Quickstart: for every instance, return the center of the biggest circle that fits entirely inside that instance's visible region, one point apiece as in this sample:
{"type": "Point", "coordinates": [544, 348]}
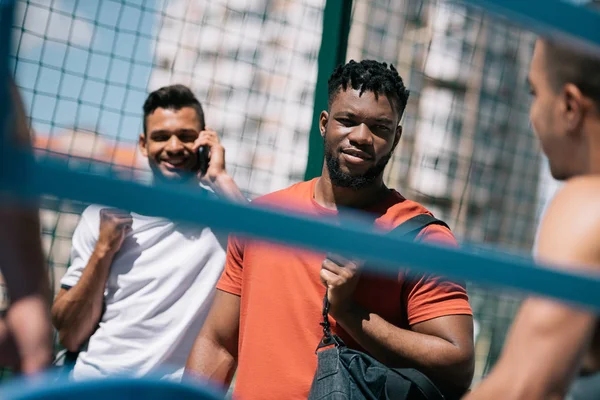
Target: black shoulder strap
{"type": "Point", "coordinates": [415, 225]}
{"type": "Point", "coordinates": [422, 382]}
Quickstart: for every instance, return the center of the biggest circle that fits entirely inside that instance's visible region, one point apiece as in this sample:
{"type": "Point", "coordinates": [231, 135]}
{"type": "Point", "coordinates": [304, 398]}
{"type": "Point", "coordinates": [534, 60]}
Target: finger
{"type": "Point", "coordinates": [329, 279]}
{"type": "Point", "coordinates": [347, 271]}
{"type": "Point", "coordinates": [208, 141]}
{"type": "Point", "coordinates": [113, 211]}
{"type": "Point", "coordinates": [339, 260]}
{"type": "Point", "coordinates": [217, 156]}
{"type": "Point", "coordinates": [124, 224]}
{"type": "Point", "coordinates": [210, 131]}
{"type": "Point", "coordinates": [210, 134]}
{"type": "Point", "coordinates": [334, 268]}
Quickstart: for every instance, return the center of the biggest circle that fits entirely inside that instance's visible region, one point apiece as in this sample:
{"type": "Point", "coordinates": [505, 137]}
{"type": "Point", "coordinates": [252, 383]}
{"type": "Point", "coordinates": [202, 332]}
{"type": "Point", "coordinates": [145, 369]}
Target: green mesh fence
{"type": "Point", "coordinates": [467, 152]}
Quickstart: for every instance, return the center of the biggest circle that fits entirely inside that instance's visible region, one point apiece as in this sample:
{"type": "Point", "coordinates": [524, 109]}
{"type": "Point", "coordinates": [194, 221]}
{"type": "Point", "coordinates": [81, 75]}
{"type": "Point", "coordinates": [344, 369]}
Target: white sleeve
{"type": "Point", "coordinates": [83, 243]}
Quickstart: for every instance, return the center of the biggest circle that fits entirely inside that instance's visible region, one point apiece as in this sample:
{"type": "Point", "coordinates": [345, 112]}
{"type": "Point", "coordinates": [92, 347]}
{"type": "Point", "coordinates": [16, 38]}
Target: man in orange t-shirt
{"type": "Point", "coordinates": [266, 314]}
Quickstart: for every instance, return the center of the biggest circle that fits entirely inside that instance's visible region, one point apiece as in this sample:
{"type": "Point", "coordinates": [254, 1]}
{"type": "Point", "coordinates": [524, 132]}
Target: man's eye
{"type": "Point", "coordinates": [189, 138]}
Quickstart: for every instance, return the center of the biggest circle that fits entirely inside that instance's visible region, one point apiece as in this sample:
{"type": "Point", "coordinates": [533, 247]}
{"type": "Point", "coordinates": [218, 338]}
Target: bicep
{"type": "Point", "coordinates": [455, 329]}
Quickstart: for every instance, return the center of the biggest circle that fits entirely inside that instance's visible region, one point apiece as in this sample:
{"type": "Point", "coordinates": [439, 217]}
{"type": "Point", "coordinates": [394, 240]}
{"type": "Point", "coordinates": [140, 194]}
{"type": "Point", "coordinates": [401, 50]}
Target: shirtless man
{"type": "Point", "coordinates": [25, 333]}
{"type": "Point", "coordinates": [551, 342]}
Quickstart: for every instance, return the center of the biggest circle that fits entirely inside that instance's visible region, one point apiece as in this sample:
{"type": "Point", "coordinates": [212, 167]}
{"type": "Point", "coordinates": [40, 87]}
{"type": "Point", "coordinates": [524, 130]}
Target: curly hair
{"type": "Point", "coordinates": [372, 76]}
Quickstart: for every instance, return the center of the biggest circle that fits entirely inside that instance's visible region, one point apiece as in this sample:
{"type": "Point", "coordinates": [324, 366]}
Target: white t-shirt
{"type": "Point", "coordinates": [158, 293]}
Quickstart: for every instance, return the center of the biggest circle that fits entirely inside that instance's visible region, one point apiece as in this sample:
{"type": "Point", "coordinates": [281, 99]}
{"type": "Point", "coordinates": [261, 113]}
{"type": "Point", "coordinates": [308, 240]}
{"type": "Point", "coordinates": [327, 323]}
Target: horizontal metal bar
{"type": "Point", "coordinates": [557, 19]}
{"type": "Point", "coordinates": [354, 238]}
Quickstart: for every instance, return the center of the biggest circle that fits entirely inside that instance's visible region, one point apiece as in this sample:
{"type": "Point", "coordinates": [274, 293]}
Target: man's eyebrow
{"type": "Point", "coordinates": [348, 114]}
{"type": "Point", "coordinates": [384, 120]}
{"type": "Point", "coordinates": [158, 131]}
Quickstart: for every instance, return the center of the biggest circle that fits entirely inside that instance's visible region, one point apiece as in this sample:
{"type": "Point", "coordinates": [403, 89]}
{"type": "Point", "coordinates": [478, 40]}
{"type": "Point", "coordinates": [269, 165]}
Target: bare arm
{"type": "Point", "coordinates": [214, 354]}
{"type": "Point", "coordinates": [441, 348]}
{"type": "Point", "coordinates": [225, 187]}
{"type": "Point", "coordinates": [77, 311]}
{"type": "Point", "coordinates": [216, 175]}
{"type": "Point", "coordinates": [548, 339]}
{"type": "Point", "coordinates": [27, 328]}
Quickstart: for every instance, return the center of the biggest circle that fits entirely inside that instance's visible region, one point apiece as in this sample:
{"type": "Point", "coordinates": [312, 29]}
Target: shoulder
{"type": "Point", "coordinates": [297, 191]}
{"type": "Point", "coordinates": [90, 218]}
{"type": "Point", "coordinates": [570, 229]}
{"type": "Point", "coordinates": [403, 210]}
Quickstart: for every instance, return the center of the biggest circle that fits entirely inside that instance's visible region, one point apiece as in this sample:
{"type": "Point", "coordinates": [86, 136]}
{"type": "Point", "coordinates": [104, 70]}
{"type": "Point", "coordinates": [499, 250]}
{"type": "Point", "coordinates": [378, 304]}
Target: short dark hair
{"type": "Point", "coordinates": [568, 64]}
{"type": "Point", "coordinates": [565, 64]}
{"type": "Point", "coordinates": [172, 97]}
{"type": "Point", "coordinates": [370, 75]}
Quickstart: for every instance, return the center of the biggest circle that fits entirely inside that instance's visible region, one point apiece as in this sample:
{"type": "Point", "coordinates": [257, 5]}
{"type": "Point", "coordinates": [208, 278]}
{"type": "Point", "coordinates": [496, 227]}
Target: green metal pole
{"type": "Point", "coordinates": [334, 42]}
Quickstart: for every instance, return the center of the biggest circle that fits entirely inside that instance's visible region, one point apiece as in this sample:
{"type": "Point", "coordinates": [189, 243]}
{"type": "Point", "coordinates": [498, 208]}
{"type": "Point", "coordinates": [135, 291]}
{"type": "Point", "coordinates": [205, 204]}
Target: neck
{"type": "Point", "coordinates": [593, 164]}
{"type": "Point", "coordinates": [330, 196]}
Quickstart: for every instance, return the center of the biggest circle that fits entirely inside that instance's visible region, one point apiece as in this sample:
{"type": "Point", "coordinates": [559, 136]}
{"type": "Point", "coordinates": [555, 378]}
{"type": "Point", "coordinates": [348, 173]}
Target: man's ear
{"type": "Point", "coordinates": [323, 119]}
{"type": "Point", "coordinates": [142, 144]}
{"type": "Point", "coordinates": [573, 107]}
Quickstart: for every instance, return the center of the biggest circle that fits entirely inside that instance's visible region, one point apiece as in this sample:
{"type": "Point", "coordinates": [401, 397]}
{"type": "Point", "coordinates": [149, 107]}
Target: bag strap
{"type": "Point", "coordinates": [408, 229]}
{"type": "Point", "coordinates": [425, 386]}
{"type": "Point", "coordinates": [412, 227]}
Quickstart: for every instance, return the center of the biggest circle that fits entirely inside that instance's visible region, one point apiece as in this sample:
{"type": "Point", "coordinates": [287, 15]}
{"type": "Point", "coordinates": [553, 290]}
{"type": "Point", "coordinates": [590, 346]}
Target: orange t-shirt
{"type": "Point", "coordinates": [282, 297]}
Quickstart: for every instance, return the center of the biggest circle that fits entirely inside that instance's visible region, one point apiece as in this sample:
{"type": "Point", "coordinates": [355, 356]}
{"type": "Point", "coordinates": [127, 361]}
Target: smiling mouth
{"type": "Point", "coordinates": [174, 164]}
{"type": "Point", "coordinates": [356, 156]}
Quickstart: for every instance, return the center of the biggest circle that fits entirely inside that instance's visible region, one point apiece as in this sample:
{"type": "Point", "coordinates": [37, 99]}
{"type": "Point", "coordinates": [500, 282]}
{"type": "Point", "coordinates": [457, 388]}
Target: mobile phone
{"type": "Point", "coordinates": [202, 159]}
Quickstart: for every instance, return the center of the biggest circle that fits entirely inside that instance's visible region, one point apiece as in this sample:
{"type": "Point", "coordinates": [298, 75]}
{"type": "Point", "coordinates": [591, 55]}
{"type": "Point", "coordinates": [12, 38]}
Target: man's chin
{"type": "Point", "coordinates": [174, 176]}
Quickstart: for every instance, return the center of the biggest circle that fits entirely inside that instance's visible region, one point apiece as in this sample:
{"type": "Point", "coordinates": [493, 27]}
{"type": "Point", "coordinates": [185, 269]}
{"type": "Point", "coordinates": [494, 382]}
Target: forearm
{"type": "Point", "coordinates": [438, 358]}
{"type": "Point", "coordinates": [211, 361]}
{"type": "Point", "coordinates": [225, 187]}
{"type": "Point", "coordinates": [77, 312]}
{"type": "Point", "coordinates": [21, 258]}
{"type": "Point", "coordinates": [542, 353]}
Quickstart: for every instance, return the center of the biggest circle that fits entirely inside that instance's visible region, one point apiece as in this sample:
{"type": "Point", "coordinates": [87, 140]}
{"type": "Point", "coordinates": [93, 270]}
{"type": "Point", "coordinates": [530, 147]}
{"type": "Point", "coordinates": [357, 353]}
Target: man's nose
{"type": "Point", "coordinates": [362, 135]}
{"type": "Point", "coordinates": [174, 145]}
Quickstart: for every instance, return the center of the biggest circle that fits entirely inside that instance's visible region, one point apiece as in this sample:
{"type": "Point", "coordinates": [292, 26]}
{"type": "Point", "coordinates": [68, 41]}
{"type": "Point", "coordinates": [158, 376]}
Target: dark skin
{"type": "Point", "coordinates": [360, 131]}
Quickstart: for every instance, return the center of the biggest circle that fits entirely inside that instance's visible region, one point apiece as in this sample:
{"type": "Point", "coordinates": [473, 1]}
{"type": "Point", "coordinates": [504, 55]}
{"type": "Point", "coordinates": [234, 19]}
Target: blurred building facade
{"type": "Point", "coordinates": [467, 152]}
{"type": "Point", "coordinates": [253, 65]}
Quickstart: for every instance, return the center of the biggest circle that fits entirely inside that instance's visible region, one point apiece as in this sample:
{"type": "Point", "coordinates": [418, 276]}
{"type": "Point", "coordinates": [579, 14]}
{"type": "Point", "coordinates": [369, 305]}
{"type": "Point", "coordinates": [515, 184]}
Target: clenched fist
{"type": "Point", "coordinates": [114, 225]}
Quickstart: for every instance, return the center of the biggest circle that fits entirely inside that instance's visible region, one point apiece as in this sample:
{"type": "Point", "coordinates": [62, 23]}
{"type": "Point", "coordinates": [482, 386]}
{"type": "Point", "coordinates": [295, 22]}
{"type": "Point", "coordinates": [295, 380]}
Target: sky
{"type": "Point", "coordinates": [64, 68]}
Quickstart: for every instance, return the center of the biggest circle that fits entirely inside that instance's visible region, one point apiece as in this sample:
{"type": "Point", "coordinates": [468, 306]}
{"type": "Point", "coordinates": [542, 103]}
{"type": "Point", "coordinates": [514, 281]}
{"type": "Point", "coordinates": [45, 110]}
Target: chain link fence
{"type": "Point", "coordinates": [467, 151]}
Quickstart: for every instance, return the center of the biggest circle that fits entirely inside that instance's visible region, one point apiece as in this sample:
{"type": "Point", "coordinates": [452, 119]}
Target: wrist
{"type": "Point", "coordinates": [220, 181]}
{"type": "Point", "coordinates": [104, 251]}
{"type": "Point", "coordinates": [343, 312]}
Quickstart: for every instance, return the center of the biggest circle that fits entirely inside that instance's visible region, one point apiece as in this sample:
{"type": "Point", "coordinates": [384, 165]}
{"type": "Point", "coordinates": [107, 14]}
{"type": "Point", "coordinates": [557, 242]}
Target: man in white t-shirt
{"type": "Point", "coordinates": [138, 288]}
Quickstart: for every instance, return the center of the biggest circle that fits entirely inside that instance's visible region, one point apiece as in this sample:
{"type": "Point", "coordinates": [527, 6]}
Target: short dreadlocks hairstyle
{"type": "Point", "coordinates": [372, 76]}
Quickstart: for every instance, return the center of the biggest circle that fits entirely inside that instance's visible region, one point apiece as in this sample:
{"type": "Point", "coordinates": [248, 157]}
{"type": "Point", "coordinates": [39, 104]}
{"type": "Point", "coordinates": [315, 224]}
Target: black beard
{"type": "Point", "coordinates": [342, 179]}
